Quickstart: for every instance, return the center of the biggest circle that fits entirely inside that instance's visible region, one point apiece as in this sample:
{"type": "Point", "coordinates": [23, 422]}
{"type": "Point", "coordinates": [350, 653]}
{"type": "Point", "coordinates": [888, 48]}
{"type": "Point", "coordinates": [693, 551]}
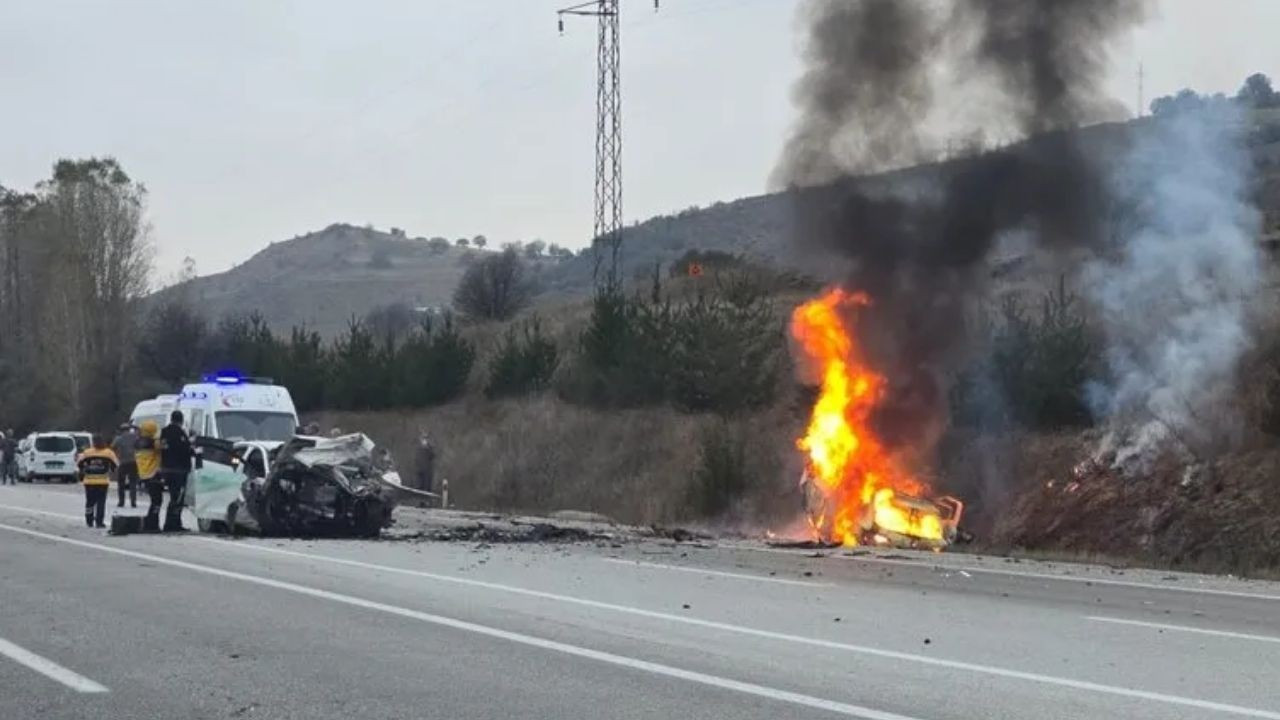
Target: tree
{"type": "Point", "coordinates": [480, 241]}
{"type": "Point", "coordinates": [438, 245]}
{"type": "Point", "coordinates": [392, 321]}
{"type": "Point", "coordinates": [494, 287]}
{"type": "Point", "coordinates": [524, 363]}
{"type": "Point", "coordinates": [462, 242]}
{"type": "Point", "coordinates": [559, 253]}
{"type": "Point", "coordinates": [1257, 92]}
{"type": "Point", "coordinates": [433, 364]}
{"type": "Point", "coordinates": [187, 272]}
{"type": "Point", "coordinates": [245, 343]}
{"type": "Point", "coordinates": [304, 368]}
{"type": "Point", "coordinates": [534, 249]}
{"type": "Point", "coordinates": [172, 343]}
{"type": "Point", "coordinates": [90, 217]}
{"type": "Point", "coordinates": [357, 373]}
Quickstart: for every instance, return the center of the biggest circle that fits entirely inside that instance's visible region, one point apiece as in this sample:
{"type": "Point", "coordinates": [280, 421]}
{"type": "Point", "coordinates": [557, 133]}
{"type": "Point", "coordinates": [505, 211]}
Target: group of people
{"type": "Point", "coordinates": [157, 459]}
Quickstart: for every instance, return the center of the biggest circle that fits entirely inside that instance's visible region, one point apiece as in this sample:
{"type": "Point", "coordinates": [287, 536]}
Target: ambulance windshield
{"type": "Point", "coordinates": [255, 425]}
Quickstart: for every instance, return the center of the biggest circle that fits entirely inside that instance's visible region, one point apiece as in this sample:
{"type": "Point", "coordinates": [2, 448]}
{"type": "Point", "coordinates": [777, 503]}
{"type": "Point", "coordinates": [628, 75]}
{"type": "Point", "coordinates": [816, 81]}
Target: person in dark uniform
{"type": "Point", "coordinates": [176, 454]}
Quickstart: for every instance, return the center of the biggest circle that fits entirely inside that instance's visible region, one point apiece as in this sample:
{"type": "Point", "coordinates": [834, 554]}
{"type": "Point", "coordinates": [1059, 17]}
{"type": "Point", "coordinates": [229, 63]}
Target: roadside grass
{"type": "Point", "coordinates": [539, 454]}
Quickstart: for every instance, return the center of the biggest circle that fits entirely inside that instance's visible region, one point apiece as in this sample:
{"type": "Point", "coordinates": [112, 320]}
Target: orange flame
{"type": "Point", "coordinates": [856, 477]}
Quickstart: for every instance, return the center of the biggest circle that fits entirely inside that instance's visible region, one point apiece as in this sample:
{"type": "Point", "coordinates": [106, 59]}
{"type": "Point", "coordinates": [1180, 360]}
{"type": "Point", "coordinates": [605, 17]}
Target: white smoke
{"type": "Point", "coordinates": [1173, 292]}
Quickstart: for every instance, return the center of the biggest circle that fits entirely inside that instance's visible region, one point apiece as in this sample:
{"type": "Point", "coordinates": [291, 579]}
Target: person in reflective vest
{"type": "Point", "coordinates": [96, 466]}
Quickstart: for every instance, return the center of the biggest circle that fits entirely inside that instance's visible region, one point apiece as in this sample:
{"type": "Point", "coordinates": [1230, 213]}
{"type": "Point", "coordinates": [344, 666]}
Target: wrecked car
{"type": "Point", "coordinates": [885, 517]}
{"type": "Point", "coordinates": [307, 486]}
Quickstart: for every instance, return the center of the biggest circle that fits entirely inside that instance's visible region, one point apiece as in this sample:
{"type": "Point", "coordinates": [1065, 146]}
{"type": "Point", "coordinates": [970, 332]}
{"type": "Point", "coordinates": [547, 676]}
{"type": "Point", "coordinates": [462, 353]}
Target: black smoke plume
{"type": "Point", "coordinates": [919, 242]}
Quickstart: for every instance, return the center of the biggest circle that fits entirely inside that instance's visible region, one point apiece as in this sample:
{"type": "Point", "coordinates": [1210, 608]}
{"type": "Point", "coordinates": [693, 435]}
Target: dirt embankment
{"type": "Point", "coordinates": [1221, 516]}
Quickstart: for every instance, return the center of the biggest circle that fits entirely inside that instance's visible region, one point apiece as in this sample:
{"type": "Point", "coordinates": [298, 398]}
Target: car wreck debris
{"type": "Point", "coordinates": [336, 487]}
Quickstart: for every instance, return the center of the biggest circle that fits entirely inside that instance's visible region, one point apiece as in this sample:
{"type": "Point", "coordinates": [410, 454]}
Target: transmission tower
{"type": "Point", "coordinates": [608, 191]}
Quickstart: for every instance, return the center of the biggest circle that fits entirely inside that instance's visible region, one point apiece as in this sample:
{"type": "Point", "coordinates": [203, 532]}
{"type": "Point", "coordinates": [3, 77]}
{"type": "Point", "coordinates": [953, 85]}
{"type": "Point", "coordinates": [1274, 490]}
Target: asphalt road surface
{"type": "Point", "coordinates": [195, 626]}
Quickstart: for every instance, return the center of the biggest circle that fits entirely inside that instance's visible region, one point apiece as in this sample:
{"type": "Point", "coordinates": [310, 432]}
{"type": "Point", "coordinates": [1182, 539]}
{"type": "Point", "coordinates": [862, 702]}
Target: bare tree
{"type": "Point", "coordinates": [90, 218]}
{"type": "Point", "coordinates": [494, 287]}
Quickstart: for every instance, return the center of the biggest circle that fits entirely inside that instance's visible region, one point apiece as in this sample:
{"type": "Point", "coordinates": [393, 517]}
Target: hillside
{"type": "Point", "coordinates": [323, 278]}
{"type": "Point", "coordinates": [761, 226]}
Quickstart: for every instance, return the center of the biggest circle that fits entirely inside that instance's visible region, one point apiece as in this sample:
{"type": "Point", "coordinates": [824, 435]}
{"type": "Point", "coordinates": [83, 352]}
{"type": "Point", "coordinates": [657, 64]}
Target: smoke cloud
{"type": "Point", "coordinates": [919, 243]}
{"type": "Point", "coordinates": [1174, 296]}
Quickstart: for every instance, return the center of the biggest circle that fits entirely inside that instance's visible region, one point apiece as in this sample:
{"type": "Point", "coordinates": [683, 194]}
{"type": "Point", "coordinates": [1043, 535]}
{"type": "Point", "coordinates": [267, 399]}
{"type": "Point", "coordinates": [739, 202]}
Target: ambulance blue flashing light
{"type": "Point", "coordinates": [233, 377]}
{"type": "Point", "coordinates": [227, 377]}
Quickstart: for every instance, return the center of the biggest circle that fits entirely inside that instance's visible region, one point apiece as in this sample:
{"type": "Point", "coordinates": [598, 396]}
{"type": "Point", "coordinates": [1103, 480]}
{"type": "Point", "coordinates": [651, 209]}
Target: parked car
{"type": "Point", "coordinates": [52, 457]}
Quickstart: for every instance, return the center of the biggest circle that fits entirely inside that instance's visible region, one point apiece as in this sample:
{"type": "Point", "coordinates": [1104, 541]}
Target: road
{"type": "Point", "coordinates": [194, 626]}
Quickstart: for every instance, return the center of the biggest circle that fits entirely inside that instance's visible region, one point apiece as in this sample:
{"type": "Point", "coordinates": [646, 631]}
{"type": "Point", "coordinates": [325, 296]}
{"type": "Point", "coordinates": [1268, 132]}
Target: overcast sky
{"type": "Point", "coordinates": [256, 120]}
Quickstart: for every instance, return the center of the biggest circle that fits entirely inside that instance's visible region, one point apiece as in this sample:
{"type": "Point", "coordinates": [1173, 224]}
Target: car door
{"type": "Point", "coordinates": [213, 486]}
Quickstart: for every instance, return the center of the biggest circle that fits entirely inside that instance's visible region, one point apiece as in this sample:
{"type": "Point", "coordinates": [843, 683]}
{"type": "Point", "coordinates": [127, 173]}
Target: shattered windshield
{"type": "Point", "coordinates": [255, 425]}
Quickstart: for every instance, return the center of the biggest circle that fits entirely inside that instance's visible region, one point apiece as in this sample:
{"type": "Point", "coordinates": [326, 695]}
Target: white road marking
{"type": "Point", "coordinates": [856, 711]}
{"type": "Point", "coordinates": [49, 668]}
{"type": "Point", "coordinates": [726, 627]}
{"type": "Point", "coordinates": [927, 564]}
{"type": "Point", "coordinates": [771, 635]}
{"type": "Point", "coordinates": [1185, 628]}
{"type": "Point", "coordinates": [716, 573]}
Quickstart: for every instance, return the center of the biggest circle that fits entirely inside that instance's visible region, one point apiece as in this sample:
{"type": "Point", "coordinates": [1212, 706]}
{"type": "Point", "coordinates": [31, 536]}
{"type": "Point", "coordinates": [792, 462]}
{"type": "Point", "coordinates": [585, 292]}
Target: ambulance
{"type": "Point", "coordinates": [230, 407]}
{"type": "Point", "coordinates": [156, 409]}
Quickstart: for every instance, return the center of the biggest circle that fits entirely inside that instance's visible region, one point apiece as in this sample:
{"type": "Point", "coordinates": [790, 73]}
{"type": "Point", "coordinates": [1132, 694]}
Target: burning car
{"type": "Point", "coordinates": [308, 486]}
{"type": "Point", "coordinates": [890, 519]}
{"type": "Point", "coordinates": [856, 490]}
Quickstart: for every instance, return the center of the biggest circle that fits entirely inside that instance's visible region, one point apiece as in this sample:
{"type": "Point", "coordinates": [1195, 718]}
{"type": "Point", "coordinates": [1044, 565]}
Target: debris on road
{"type": "Point", "coordinates": [512, 532]}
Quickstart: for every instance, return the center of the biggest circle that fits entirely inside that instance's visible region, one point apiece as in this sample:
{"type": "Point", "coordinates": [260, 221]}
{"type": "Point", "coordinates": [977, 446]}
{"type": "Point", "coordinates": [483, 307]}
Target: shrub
{"type": "Point", "coordinates": [722, 474]}
{"type": "Point", "coordinates": [524, 363]}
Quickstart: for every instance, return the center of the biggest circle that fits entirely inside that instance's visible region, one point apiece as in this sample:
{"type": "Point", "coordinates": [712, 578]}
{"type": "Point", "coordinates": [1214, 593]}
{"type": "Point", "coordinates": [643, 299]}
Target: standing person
{"type": "Point", "coordinates": [175, 465]}
{"type": "Point", "coordinates": [127, 474]}
{"type": "Point", "coordinates": [11, 466]}
{"type": "Point", "coordinates": [96, 465]}
{"type": "Point", "coordinates": [425, 462]}
{"type": "Point", "coordinates": [146, 458]}
{"type": "Point", "coordinates": [8, 456]}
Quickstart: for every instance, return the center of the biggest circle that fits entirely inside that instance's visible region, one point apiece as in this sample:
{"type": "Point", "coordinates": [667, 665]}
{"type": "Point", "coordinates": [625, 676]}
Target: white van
{"type": "Point", "coordinates": [83, 439]}
{"type": "Point", "coordinates": [235, 408]}
{"type": "Point", "coordinates": [156, 409]}
{"type": "Point", "coordinates": [52, 456]}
